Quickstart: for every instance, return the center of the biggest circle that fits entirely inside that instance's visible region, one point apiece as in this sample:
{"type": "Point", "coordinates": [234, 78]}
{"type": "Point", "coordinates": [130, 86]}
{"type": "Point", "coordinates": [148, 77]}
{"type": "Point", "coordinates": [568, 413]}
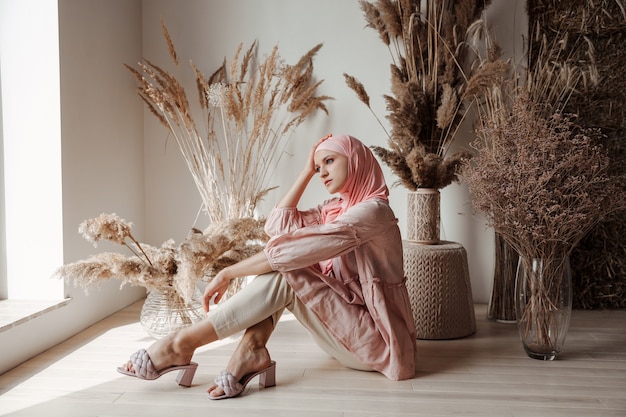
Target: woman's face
{"type": "Point", "coordinates": [333, 169]}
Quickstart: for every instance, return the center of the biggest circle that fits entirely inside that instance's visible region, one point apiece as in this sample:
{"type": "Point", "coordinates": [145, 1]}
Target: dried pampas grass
{"type": "Point", "coordinates": [427, 44]}
{"type": "Point", "coordinates": [169, 266]}
{"type": "Point", "coordinates": [249, 109]}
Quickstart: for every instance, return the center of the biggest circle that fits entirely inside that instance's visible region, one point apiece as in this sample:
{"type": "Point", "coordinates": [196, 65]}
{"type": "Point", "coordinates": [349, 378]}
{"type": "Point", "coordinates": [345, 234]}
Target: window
{"type": "Point", "coordinates": [30, 119]}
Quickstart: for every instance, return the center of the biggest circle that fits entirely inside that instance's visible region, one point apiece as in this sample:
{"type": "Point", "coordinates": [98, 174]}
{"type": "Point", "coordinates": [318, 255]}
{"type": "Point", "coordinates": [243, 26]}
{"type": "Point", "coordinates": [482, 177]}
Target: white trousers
{"type": "Point", "coordinates": [267, 296]}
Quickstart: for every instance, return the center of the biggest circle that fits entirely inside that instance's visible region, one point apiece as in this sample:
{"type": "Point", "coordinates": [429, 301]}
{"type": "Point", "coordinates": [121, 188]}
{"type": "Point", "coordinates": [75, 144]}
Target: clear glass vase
{"type": "Point", "coordinates": [501, 306]}
{"type": "Point", "coordinates": [165, 311]}
{"type": "Point", "coordinates": [543, 305]}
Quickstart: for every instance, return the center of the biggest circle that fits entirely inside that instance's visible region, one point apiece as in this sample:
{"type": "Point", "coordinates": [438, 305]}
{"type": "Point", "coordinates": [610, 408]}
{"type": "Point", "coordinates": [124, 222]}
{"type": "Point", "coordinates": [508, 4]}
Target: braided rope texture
{"type": "Point", "coordinates": [143, 366]}
{"type": "Point", "coordinates": [229, 384]}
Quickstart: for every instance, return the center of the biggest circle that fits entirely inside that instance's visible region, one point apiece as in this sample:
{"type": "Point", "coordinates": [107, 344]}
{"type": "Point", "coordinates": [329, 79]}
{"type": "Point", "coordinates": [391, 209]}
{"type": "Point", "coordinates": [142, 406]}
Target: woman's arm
{"type": "Point", "coordinates": [254, 265]}
{"type": "Point", "coordinates": [258, 264]}
{"type": "Point", "coordinates": [292, 197]}
{"type": "Point", "coordinates": [294, 194]}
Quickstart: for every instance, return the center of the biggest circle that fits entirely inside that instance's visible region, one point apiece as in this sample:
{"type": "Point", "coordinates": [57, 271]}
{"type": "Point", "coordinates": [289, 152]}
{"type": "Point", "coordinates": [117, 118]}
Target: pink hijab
{"type": "Point", "coordinates": [365, 177]}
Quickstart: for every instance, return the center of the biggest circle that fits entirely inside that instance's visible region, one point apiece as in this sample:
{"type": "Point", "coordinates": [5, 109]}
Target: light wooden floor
{"type": "Point", "coordinates": [486, 374]}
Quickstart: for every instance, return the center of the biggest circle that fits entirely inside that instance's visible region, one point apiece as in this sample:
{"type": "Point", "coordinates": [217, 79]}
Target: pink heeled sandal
{"type": "Point", "coordinates": [232, 388]}
{"type": "Point", "coordinates": [143, 368]}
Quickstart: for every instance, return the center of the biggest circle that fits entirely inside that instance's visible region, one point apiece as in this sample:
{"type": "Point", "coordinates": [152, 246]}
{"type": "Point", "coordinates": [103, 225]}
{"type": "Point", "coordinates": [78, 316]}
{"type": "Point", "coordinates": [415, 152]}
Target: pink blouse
{"type": "Point", "coordinates": [364, 302]}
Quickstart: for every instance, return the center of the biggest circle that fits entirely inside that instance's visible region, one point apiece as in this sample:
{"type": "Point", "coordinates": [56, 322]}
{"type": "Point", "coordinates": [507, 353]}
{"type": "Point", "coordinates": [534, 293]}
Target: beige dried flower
{"type": "Point", "coordinates": [358, 88]}
{"type": "Point", "coordinates": [249, 109]}
{"type": "Point", "coordinates": [112, 228]}
{"type": "Point", "coordinates": [540, 180]}
{"type": "Point", "coordinates": [375, 21]}
{"type": "Point", "coordinates": [106, 226]}
{"type": "Point", "coordinates": [448, 109]}
{"type": "Point", "coordinates": [199, 256]}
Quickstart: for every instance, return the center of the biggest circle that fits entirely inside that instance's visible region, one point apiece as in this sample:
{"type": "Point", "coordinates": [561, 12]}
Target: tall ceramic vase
{"type": "Point", "coordinates": [423, 216]}
{"type": "Point", "coordinates": [543, 305]}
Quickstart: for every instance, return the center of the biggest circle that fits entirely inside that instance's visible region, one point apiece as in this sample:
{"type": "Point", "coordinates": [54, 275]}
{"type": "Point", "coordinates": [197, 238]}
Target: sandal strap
{"type": "Point", "coordinates": [228, 383]}
{"type": "Point", "coordinates": [143, 366]}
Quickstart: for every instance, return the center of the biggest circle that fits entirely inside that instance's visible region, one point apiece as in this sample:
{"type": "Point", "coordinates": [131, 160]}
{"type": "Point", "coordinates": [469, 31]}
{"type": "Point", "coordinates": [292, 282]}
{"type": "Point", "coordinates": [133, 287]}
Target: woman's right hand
{"type": "Point", "coordinates": [254, 265]}
{"type": "Point", "coordinates": [217, 287]}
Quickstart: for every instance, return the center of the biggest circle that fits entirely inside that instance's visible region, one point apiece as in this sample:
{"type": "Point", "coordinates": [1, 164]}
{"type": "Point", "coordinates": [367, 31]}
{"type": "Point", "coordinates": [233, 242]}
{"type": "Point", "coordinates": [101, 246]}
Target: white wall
{"type": "Point", "coordinates": [207, 31]}
{"type": "Point", "coordinates": [102, 131]}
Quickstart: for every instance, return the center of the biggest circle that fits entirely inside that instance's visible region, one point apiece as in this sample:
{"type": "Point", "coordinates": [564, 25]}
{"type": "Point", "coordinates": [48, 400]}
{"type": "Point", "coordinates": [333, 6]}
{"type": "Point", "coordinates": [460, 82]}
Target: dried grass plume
{"type": "Point", "coordinates": [426, 41]}
{"type": "Point", "coordinates": [249, 109]}
{"type": "Point", "coordinates": [169, 266]}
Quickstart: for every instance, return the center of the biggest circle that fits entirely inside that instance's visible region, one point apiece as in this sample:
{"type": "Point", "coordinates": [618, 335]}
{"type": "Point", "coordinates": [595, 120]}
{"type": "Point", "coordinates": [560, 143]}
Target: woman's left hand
{"type": "Point", "coordinates": [310, 167]}
{"type": "Point", "coordinates": [217, 287]}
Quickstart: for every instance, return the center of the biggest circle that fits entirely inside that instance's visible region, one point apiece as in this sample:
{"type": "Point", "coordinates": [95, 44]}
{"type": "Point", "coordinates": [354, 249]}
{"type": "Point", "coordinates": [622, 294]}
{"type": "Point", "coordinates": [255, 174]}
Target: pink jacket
{"type": "Point", "coordinates": [365, 305]}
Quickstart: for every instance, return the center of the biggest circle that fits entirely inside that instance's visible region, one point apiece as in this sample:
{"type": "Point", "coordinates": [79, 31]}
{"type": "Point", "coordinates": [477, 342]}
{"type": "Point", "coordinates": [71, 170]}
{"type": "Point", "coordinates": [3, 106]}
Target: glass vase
{"type": "Point", "coordinates": [543, 305]}
{"type": "Point", "coordinates": [165, 311]}
{"type": "Point", "coordinates": [501, 306]}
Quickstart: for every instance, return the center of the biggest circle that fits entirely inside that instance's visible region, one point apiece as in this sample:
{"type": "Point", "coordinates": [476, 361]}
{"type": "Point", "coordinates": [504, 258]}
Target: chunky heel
{"type": "Point", "coordinates": [268, 377]}
{"type": "Point", "coordinates": [185, 376]}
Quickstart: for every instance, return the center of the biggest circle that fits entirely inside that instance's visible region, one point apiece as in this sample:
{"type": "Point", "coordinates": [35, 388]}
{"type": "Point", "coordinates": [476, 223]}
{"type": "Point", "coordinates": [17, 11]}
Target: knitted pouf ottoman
{"type": "Point", "coordinates": [439, 289]}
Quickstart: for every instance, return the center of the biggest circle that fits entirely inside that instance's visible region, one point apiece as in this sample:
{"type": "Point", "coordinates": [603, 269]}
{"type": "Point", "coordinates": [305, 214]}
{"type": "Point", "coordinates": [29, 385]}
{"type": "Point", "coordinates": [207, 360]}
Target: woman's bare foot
{"type": "Point", "coordinates": [243, 362]}
{"type": "Point", "coordinates": [169, 351]}
{"type": "Point", "coordinates": [250, 356]}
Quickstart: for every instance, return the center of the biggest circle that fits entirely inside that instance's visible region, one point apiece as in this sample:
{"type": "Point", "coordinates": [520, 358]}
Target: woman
{"type": "Point", "coordinates": [337, 267]}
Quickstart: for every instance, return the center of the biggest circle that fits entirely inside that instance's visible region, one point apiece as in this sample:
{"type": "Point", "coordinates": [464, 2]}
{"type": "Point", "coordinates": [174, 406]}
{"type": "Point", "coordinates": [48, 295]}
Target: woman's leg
{"type": "Point", "coordinates": [275, 290]}
{"type": "Point", "coordinates": [264, 297]}
{"type": "Point", "coordinates": [250, 355]}
{"type": "Point", "coordinates": [178, 348]}
{"type": "Point", "coordinates": [256, 309]}
{"type": "Point", "coordinates": [261, 303]}
{"type": "Point", "coordinates": [322, 337]}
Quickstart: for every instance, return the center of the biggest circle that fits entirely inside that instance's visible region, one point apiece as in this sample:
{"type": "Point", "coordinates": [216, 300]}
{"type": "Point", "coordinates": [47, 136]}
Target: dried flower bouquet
{"type": "Point", "coordinates": [540, 178]}
{"type": "Point", "coordinates": [545, 85]}
{"type": "Point", "coordinates": [542, 183]}
{"type": "Point", "coordinates": [426, 40]}
{"type": "Point", "coordinates": [166, 267]}
{"type": "Point", "coordinates": [248, 108]}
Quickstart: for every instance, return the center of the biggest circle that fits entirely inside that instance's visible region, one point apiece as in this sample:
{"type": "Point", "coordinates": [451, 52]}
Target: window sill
{"type": "Point", "coordinates": [16, 312]}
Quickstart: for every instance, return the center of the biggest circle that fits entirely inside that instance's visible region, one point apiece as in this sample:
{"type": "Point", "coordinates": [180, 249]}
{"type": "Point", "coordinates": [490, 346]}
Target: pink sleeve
{"type": "Point", "coordinates": [287, 219]}
{"type": "Point", "coordinates": [298, 246]}
{"type": "Point", "coordinates": [308, 246]}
